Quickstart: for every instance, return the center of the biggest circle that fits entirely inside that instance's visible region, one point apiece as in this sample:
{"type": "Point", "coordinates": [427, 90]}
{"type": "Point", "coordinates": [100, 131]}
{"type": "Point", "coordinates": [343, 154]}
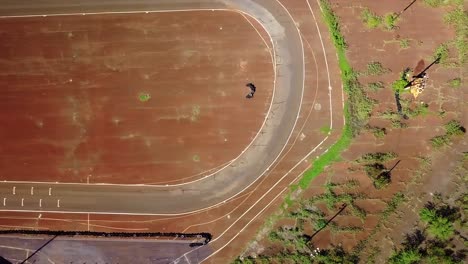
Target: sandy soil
{"type": "Point", "coordinates": [72, 108]}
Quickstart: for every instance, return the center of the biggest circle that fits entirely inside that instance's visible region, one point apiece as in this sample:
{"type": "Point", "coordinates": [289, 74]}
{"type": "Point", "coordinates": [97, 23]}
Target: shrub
{"type": "Point", "coordinates": [377, 157]}
{"type": "Point", "coordinates": [405, 257]}
{"type": "Point", "coordinates": [375, 86]}
{"type": "Point", "coordinates": [441, 228]}
{"type": "Point", "coordinates": [370, 19]}
{"type": "Point", "coordinates": [455, 83]}
{"type": "Point", "coordinates": [454, 128]}
{"type": "Point", "coordinates": [440, 141]}
{"type": "Point", "coordinates": [427, 215]}
{"type": "Point", "coordinates": [404, 43]}
{"type": "Point", "coordinates": [390, 20]}
{"type": "Point", "coordinates": [441, 53]}
{"type": "Point", "coordinates": [399, 85]}
{"type": "Point", "coordinates": [375, 68]}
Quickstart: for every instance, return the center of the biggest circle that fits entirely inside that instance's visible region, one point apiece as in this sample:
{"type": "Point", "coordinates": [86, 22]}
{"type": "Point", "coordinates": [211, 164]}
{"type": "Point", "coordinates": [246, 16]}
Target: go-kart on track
{"type": "Point", "coordinates": [224, 185]}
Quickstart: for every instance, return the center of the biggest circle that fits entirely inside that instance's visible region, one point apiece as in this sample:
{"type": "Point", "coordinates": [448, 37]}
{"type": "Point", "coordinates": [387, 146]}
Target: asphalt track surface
{"type": "Point", "coordinates": [199, 195]}
{"type": "Point", "coordinates": [70, 250]}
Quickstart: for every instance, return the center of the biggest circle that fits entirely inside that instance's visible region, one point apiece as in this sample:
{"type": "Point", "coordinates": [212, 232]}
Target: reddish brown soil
{"type": "Point", "coordinates": [364, 46]}
{"type": "Point", "coordinates": [367, 45]}
{"type": "Point", "coordinates": [232, 217]}
{"type": "Point", "coordinates": [70, 108]}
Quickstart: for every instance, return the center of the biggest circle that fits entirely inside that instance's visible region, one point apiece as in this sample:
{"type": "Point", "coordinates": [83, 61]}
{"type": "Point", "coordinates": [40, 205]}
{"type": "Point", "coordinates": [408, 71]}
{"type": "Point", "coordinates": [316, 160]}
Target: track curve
{"type": "Point", "coordinates": [209, 192]}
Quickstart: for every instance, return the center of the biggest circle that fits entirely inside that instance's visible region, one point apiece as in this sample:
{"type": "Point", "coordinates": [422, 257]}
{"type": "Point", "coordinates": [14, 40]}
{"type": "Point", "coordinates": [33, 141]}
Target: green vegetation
{"type": "Point", "coordinates": [144, 97]}
{"type": "Point", "coordinates": [370, 19]}
{"type": "Point", "coordinates": [377, 157]}
{"type": "Point", "coordinates": [375, 68]}
{"type": "Point", "coordinates": [404, 43]}
{"type": "Point", "coordinates": [379, 174]}
{"type": "Point", "coordinates": [399, 85]}
{"type": "Point", "coordinates": [459, 19]}
{"type": "Point", "coordinates": [455, 83]}
{"type": "Point", "coordinates": [375, 169]}
{"type": "Point", "coordinates": [357, 109]}
{"type": "Point", "coordinates": [196, 158]}
{"type": "Point", "coordinates": [375, 86]}
{"type": "Point", "coordinates": [441, 53]}
{"type": "Point", "coordinates": [390, 20]}
{"type": "Point", "coordinates": [452, 128]}
{"type": "Point", "coordinates": [405, 257]}
{"type": "Point", "coordinates": [325, 130]}
{"type": "Point", "coordinates": [437, 3]}
{"type": "Point", "coordinates": [379, 132]}
{"type": "Point", "coordinates": [392, 205]}
{"type": "Point", "coordinates": [421, 109]}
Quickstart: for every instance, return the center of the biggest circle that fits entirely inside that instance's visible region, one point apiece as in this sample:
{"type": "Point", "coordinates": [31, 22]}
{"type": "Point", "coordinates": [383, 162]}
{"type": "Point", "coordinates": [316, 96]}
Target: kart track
{"type": "Point", "coordinates": [229, 199]}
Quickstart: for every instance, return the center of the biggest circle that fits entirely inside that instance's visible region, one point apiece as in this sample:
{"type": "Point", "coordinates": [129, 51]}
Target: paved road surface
{"type": "Point", "coordinates": [71, 250]}
{"type": "Point", "coordinates": [195, 196]}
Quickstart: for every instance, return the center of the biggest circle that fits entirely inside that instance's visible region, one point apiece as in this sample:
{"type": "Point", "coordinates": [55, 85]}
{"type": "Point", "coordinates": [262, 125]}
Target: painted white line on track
{"type": "Point", "coordinates": [22, 202]}
{"type": "Point", "coordinates": [50, 191]}
{"type": "Point", "coordinates": [32, 190]}
{"type": "Point", "coordinates": [4, 201]}
{"type": "Point", "coordinates": [40, 202]}
{"type": "Point", "coordinates": [58, 203]}
{"type": "Point", "coordinates": [326, 61]}
{"type": "Point", "coordinates": [183, 10]}
{"type": "Point", "coordinates": [14, 190]}
{"type": "Point", "coordinates": [284, 146]}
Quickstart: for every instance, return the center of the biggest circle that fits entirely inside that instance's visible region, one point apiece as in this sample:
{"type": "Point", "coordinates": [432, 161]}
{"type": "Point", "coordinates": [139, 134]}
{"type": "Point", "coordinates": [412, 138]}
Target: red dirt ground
{"type": "Point", "coordinates": [314, 115]}
{"type": "Point", "coordinates": [70, 108]}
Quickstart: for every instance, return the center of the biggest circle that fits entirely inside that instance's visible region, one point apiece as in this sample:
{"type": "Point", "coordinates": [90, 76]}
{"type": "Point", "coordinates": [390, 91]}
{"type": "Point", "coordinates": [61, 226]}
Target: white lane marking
{"type": "Point", "coordinates": [50, 191]}
{"type": "Point", "coordinates": [284, 146]}
{"type": "Point", "coordinates": [22, 202]}
{"type": "Point", "coordinates": [4, 201]}
{"type": "Point", "coordinates": [188, 10]}
{"type": "Point", "coordinates": [58, 203]}
{"type": "Point", "coordinates": [40, 202]}
{"type": "Point", "coordinates": [14, 190]}
{"type": "Point", "coordinates": [326, 61]}
{"type": "Point", "coordinates": [32, 190]}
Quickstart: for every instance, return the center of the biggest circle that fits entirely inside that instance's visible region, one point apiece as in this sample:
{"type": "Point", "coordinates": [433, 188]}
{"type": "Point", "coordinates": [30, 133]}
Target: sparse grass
{"type": "Point", "coordinates": [438, 3]}
{"type": "Point", "coordinates": [378, 132]}
{"type": "Point", "coordinates": [390, 115]}
{"type": "Point", "coordinates": [404, 43]}
{"type": "Point", "coordinates": [455, 83]}
{"type": "Point", "coordinates": [377, 157]}
{"type": "Point", "coordinates": [375, 68]}
{"type": "Point", "coordinates": [392, 205]}
{"type": "Point", "coordinates": [196, 158]}
{"type": "Point", "coordinates": [390, 21]}
{"type": "Point", "coordinates": [325, 130]}
{"type": "Point", "coordinates": [452, 128]}
{"type": "Point", "coordinates": [144, 97]}
{"type": "Point", "coordinates": [399, 124]}
{"type": "Point", "coordinates": [459, 19]}
{"type": "Point", "coordinates": [370, 19]}
{"type": "Point", "coordinates": [375, 86]}
{"type": "Point", "coordinates": [379, 174]}
{"type": "Point", "coordinates": [441, 53]}
{"type": "Point", "coordinates": [421, 109]}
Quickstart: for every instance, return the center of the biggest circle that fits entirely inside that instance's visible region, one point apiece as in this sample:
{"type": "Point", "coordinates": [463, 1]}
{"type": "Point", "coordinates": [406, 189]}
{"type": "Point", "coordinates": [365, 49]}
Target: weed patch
{"type": "Point", "coordinates": [455, 83]}
{"type": "Point", "coordinates": [370, 19]}
{"type": "Point", "coordinates": [376, 68]}
{"type": "Point", "coordinates": [375, 86]}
